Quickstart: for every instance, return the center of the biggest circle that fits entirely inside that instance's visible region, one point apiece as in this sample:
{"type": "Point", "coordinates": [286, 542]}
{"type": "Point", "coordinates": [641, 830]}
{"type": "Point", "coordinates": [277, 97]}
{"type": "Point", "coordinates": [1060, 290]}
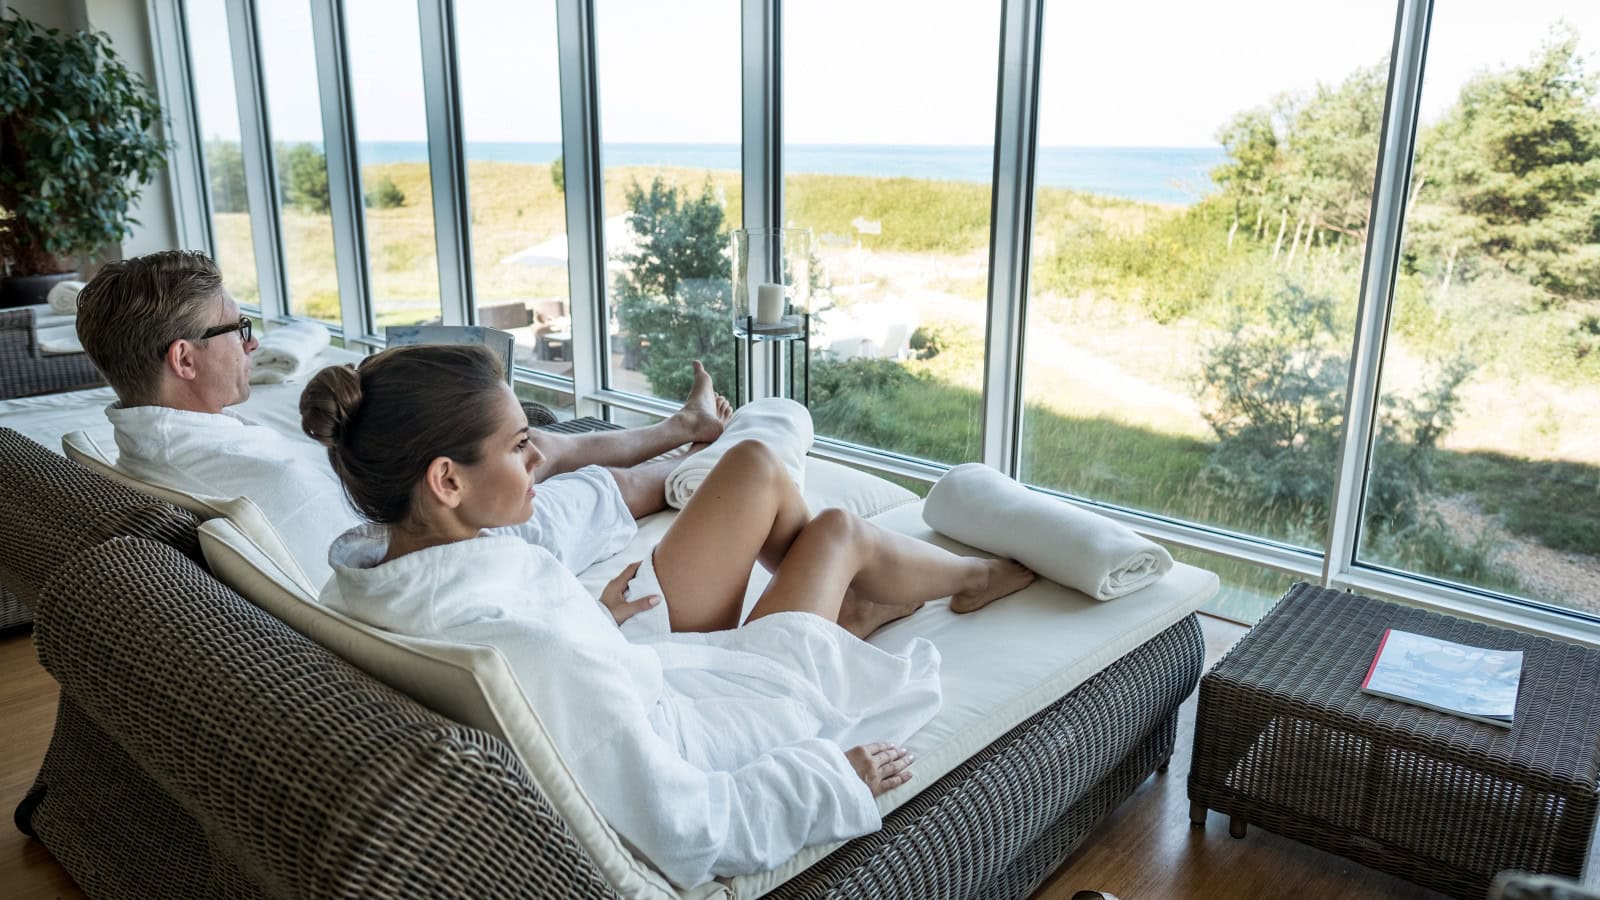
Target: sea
{"type": "Point", "coordinates": [1178, 175]}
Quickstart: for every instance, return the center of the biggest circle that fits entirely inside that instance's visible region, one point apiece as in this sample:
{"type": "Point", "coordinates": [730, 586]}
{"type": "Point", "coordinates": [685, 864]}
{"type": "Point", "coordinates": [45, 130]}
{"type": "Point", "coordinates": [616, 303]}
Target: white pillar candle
{"type": "Point", "coordinates": [769, 304]}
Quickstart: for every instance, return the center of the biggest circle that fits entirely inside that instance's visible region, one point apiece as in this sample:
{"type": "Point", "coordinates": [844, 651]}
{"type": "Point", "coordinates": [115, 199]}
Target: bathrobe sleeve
{"type": "Point", "coordinates": [696, 825]}
{"type": "Point", "coordinates": [580, 517]}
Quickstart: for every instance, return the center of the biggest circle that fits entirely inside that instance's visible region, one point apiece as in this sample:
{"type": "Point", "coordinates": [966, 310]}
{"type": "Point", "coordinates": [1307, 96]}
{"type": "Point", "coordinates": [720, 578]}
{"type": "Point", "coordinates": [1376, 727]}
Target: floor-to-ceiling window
{"type": "Point", "coordinates": [888, 157]}
{"type": "Point", "coordinates": [1486, 465]}
{"type": "Point", "coordinates": [384, 51]}
{"type": "Point", "coordinates": [217, 106]}
{"type": "Point", "coordinates": [516, 185]}
{"type": "Point", "coordinates": [1203, 179]}
{"type": "Point", "coordinates": [669, 94]}
{"type": "Point", "coordinates": [294, 113]}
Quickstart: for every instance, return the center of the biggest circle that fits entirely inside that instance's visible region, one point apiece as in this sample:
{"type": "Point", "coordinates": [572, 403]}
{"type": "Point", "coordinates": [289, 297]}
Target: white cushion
{"type": "Point", "coordinates": [242, 511]}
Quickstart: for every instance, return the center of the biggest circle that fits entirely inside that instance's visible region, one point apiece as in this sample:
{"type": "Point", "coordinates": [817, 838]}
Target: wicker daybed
{"type": "Point", "coordinates": [205, 748]}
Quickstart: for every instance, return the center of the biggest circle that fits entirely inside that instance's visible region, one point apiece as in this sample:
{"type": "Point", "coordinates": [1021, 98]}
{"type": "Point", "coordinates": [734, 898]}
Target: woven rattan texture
{"type": "Point", "coordinates": [114, 829]}
{"type": "Point", "coordinates": [962, 835]}
{"type": "Point", "coordinates": [310, 777]}
{"type": "Point", "coordinates": [13, 611]}
{"type": "Point", "coordinates": [1285, 739]}
{"type": "Point", "coordinates": [24, 371]}
{"type": "Point", "coordinates": [51, 509]}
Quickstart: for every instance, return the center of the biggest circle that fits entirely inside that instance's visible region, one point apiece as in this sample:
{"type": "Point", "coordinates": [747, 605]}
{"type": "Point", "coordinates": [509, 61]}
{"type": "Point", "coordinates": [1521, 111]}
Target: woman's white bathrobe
{"type": "Point", "coordinates": [581, 516]}
{"type": "Point", "coordinates": [710, 755]}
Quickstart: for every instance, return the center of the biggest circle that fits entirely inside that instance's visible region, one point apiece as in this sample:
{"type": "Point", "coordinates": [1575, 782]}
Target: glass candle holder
{"type": "Point", "coordinates": [768, 306]}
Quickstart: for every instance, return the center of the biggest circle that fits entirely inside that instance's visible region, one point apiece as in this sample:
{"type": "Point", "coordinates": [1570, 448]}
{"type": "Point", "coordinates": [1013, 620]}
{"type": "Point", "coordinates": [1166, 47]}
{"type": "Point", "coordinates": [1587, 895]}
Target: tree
{"type": "Point", "coordinates": [558, 175]}
{"type": "Point", "coordinates": [1513, 175]}
{"type": "Point", "coordinates": [225, 173]}
{"type": "Point", "coordinates": [673, 294]}
{"type": "Point", "coordinates": [1274, 393]}
{"type": "Point", "coordinates": [303, 174]}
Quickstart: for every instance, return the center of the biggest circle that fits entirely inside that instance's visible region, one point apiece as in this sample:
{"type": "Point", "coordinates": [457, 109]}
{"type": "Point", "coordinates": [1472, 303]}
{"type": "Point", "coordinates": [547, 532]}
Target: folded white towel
{"type": "Point", "coordinates": [60, 340]}
{"type": "Point", "coordinates": [976, 505]}
{"type": "Point", "coordinates": [63, 297]}
{"type": "Point", "coordinates": [287, 352]}
{"type": "Point", "coordinates": [783, 425]}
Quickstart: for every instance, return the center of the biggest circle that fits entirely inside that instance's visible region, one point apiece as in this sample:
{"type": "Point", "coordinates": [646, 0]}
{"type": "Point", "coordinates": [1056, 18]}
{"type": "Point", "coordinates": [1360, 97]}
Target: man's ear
{"type": "Point", "coordinates": [443, 479]}
{"type": "Point", "coordinates": [180, 359]}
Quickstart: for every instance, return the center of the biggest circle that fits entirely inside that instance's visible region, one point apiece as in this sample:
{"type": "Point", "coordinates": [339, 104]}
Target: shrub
{"type": "Point", "coordinates": [303, 178]}
{"type": "Point", "coordinates": [385, 195]}
{"type": "Point", "coordinates": [225, 175]}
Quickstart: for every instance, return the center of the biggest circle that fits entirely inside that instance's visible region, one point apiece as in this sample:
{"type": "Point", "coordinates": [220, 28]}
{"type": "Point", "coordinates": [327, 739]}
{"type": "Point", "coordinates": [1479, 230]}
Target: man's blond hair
{"type": "Point", "coordinates": [133, 310]}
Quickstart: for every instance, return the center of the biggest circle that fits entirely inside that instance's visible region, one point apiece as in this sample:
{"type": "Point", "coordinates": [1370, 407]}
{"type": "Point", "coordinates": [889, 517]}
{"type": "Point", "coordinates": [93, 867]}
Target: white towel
{"type": "Point", "coordinates": [976, 505]}
{"type": "Point", "coordinates": [60, 340]}
{"type": "Point", "coordinates": [63, 297]}
{"type": "Point", "coordinates": [287, 351]}
{"type": "Point", "coordinates": [783, 425]}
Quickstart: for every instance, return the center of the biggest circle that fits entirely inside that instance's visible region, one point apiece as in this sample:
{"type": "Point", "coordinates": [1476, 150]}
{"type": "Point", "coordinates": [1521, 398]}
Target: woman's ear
{"type": "Point", "coordinates": [444, 481]}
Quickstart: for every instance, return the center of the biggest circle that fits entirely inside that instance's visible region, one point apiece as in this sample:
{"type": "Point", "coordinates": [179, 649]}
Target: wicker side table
{"type": "Point", "coordinates": [1285, 739]}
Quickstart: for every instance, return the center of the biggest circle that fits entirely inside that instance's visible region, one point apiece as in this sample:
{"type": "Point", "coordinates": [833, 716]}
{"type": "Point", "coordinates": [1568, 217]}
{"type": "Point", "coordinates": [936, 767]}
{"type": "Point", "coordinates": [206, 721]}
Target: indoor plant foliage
{"type": "Point", "coordinates": [76, 145]}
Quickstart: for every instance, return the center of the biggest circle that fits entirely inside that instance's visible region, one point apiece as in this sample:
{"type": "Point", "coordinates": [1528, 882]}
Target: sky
{"type": "Point", "coordinates": [1160, 73]}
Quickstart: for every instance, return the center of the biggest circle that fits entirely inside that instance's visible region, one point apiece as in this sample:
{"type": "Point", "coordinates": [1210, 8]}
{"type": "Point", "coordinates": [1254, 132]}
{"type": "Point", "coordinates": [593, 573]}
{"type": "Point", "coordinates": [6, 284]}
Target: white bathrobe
{"type": "Point", "coordinates": [579, 516]}
{"type": "Point", "coordinates": [710, 755]}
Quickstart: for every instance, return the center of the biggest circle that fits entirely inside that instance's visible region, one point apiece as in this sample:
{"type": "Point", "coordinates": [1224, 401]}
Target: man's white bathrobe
{"type": "Point", "coordinates": [581, 516]}
{"type": "Point", "coordinates": [710, 755]}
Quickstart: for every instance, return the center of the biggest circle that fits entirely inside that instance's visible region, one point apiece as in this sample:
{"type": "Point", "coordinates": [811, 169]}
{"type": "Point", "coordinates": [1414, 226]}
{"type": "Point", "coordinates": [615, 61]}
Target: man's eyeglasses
{"type": "Point", "coordinates": [242, 326]}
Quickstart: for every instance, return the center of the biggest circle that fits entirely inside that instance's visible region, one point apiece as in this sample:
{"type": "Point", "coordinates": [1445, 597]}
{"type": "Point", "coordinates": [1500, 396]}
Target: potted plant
{"type": "Point", "coordinates": [76, 147]}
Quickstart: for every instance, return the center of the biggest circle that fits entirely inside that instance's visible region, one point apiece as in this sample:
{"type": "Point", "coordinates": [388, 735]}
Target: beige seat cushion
{"type": "Point", "coordinates": [242, 511]}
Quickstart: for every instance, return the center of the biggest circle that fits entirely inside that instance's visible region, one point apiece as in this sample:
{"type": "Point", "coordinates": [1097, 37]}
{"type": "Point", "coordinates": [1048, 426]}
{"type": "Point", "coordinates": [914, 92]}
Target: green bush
{"type": "Point", "coordinates": [385, 195]}
{"type": "Point", "coordinates": [303, 178]}
{"type": "Point", "coordinates": [225, 175]}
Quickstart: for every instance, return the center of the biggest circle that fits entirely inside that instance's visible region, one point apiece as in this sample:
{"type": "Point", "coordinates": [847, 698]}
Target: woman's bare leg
{"type": "Point", "coordinates": [746, 511]}
{"type": "Point", "coordinates": [848, 570]}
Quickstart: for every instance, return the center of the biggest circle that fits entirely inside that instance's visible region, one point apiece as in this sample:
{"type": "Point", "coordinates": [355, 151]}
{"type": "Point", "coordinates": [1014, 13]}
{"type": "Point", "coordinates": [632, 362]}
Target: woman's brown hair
{"type": "Point", "coordinates": [385, 421]}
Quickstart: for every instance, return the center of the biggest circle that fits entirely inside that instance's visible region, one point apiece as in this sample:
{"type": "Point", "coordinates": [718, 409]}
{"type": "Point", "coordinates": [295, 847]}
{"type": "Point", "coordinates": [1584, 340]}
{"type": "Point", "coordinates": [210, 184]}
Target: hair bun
{"type": "Point", "coordinates": [329, 402]}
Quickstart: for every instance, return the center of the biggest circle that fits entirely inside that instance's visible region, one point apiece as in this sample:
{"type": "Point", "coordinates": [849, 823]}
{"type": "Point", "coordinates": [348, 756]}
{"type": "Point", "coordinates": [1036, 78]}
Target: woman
{"type": "Point", "coordinates": [715, 750]}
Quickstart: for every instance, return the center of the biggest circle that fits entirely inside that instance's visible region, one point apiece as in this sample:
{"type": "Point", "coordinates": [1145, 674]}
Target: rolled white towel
{"type": "Point", "coordinates": [976, 505]}
{"type": "Point", "coordinates": [63, 297]}
{"type": "Point", "coordinates": [287, 352]}
{"type": "Point", "coordinates": [783, 425]}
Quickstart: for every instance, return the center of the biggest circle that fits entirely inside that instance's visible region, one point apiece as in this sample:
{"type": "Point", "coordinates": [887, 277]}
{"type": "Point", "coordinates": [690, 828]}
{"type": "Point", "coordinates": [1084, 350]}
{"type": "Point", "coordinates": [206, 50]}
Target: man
{"type": "Point", "coordinates": [170, 340]}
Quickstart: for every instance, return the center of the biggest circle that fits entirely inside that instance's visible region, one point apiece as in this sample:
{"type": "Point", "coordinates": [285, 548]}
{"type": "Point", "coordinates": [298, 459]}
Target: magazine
{"type": "Point", "coordinates": [1472, 682]}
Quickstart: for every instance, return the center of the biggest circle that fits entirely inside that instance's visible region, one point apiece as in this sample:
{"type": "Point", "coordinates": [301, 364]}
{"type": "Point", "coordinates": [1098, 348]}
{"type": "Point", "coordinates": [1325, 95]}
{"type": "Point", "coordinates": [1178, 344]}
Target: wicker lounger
{"type": "Point", "coordinates": [203, 748]}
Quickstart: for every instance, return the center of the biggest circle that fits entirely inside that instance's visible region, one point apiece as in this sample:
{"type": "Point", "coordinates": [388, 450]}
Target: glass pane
{"type": "Point", "coordinates": [511, 112]}
{"type": "Point", "coordinates": [1199, 227]}
{"type": "Point", "coordinates": [217, 105]}
{"type": "Point", "coordinates": [294, 110]}
{"type": "Point", "coordinates": [1247, 590]}
{"type": "Point", "coordinates": [385, 58]}
{"type": "Point", "coordinates": [1486, 469]}
{"type": "Point", "coordinates": [888, 157]}
{"type": "Point", "coordinates": [670, 126]}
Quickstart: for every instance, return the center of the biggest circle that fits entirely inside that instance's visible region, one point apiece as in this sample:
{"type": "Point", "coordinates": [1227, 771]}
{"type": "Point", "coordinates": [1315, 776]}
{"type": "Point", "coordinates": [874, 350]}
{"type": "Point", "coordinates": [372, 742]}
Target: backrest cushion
{"type": "Point", "coordinates": [242, 511]}
{"type": "Point", "coordinates": [52, 509]}
{"type": "Point", "coordinates": [472, 684]}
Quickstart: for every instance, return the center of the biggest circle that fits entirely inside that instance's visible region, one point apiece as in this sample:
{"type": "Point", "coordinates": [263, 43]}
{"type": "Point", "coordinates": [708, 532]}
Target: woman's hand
{"type": "Point", "coordinates": [882, 766]}
{"type": "Point", "coordinates": [623, 609]}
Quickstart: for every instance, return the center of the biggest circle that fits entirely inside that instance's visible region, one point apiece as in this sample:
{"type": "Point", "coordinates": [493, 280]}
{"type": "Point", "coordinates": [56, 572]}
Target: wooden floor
{"type": "Point", "coordinates": [1146, 849]}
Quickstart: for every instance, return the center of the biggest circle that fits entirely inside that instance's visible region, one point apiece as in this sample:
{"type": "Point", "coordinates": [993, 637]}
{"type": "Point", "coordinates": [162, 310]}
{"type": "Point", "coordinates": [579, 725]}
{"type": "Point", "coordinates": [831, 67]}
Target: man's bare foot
{"type": "Point", "coordinates": [862, 617]}
{"type": "Point", "coordinates": [1000, 577]}
{"type": "Point", "coordinates": [702, 416]}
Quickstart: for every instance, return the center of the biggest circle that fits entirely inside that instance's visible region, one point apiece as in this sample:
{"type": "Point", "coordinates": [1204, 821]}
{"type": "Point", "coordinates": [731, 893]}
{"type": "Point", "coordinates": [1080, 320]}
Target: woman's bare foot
{"type": "Point", "coordinates": [704, 411]}
{"type": "Point", "coordinates": [1000, 577]}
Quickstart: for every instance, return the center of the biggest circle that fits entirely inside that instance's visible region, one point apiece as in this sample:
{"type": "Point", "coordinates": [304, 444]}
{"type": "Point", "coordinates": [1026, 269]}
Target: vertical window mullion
{"type": "Point", "coordinates": [761, 27]}
{"type": "Point", "coordinates": [1016, 128]}
{"type": "Point", "coordinates": [585, 196]}
{"type": "Point", "coordinates": [344, 182]}
{"type": "Point", "coordinates": [185, 167]}
{"type": "Point", "coordinates": [1379, 269]}
{"type": "Point", "coordinates": [447, 161]}
{"type": "Point", "coordinates": [255, 137]}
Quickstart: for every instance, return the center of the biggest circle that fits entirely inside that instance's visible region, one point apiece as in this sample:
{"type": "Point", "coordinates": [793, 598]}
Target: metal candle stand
{"type": "Point", "coordinates": [745, 374]}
